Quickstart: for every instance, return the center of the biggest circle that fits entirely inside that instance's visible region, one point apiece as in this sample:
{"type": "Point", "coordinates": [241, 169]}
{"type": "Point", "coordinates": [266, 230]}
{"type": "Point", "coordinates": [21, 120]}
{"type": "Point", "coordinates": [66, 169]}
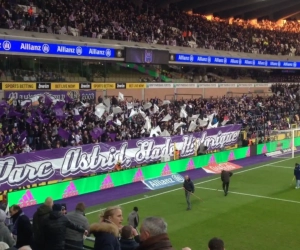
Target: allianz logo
{"type": "Point", "coordinates": [27, 46]}
{"type": "Point", "coordinates": [235, 61]}
{"type": "Point", "coordinates": [71, 50]}
{"type": "Point", "coordinates": [167, 180]}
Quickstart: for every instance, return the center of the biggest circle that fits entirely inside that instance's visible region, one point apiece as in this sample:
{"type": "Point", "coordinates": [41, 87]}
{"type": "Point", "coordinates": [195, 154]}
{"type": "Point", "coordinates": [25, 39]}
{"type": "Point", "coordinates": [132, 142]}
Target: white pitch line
{"type": "Point", "coordinates": [272, 166]}
{"type": "Point", "coordinates": [252, 195]}
{"type": "Point", "coordinates": [176, 189]}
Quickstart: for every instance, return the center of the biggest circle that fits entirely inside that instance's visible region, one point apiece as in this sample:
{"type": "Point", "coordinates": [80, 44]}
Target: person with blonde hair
{"type": "Point", "coordinates": [107, 231]}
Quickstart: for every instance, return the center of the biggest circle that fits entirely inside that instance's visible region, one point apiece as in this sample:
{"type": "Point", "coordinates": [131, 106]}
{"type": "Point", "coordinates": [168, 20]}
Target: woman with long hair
{"type": "Point", "coordinates": [107, 231]}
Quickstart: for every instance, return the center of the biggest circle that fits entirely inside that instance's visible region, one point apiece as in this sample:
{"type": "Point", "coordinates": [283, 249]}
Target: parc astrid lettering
{"type": "Point", "coordinates": [57, 164]}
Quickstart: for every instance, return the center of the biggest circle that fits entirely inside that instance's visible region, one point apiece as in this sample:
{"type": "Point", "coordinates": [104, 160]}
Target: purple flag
{"type": "Point", "coordinates": [47, 100]}
{"type": "Point", "coordinates": [68, 99]}
{"type": "Point", "coordinates": [22, 138]}
{"type": "Point", "coordinates": [96, 133]}
{"type": "Point", "coordinates": [4, 104]}
{"type": "Point", "coordinates": [113, 136]}
{"type": "Point", "coordinates": [27, 104]}
{"type": "Point", "coordinates": [13, 113]}
{"type": "Point", "coordinates": [29, 120]}
{"type": "Point", "coordinates": [63, 133]}
{"type": "Point", "coordinates": [59, 105]}
{"type": "Point", "coordinates": [76, 118]}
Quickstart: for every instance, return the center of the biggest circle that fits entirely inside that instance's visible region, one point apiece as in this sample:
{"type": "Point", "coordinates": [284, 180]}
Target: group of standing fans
{"type": "Point", "coordinates": [53, 228]}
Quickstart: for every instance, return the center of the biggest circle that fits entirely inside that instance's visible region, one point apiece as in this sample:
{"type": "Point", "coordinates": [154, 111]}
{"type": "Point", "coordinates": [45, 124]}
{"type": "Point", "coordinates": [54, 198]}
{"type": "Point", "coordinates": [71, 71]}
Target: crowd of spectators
{"type": "Point", "coordinates": [123, 20]}
{"type": "Point", "coordinates": [39, 76]}
{"type": "Point", "coordinates": [53, 228]}
{"type": "Point", "coordinates": [56, 124]}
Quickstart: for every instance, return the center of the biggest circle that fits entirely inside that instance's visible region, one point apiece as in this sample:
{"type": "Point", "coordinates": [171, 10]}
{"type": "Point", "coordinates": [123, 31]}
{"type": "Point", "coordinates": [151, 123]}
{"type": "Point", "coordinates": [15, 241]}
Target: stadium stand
{"type": "Point", "coordinates": [25, 128]}
{"type": "Point", "coordinates": [123, 20]}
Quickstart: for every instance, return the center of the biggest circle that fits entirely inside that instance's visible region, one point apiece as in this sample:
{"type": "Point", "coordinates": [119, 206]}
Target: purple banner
{"type": "Point", "coordinates": [34, 96]}
{"type": "Point", "coordinates": [56, 164]}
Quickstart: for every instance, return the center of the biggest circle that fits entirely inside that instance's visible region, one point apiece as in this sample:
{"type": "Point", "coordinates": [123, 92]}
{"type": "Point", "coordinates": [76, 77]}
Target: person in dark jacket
{"type": "Point", "coordinates": [154, 235]}
{"type": "Point", "coordinates": [107, 231]}
{"type": "Point", "coordinates": [133, 218]}
{"type": "Point", "coordinates": [127, 240]}
{"type": "Point", "coordinates": [189, 188]}
{"type": "Point", "coordinates": [54, 229]}
{"type": "Point", "coordinates": [297, 175]}
{"type": "Point", "coordinates": [39, 216]}
{"type": "Point", "coordinates": [225, 177]}
{"type": "Point", "coordinates": [22, 228]}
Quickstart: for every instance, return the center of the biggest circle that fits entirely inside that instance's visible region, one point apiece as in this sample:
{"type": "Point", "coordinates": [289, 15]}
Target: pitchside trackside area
{"type": "Point", "coordinates": [260, 212]}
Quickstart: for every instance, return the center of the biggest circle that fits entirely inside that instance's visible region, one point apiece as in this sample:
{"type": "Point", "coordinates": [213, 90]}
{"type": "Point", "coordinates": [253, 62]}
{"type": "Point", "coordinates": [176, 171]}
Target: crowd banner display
{"type": "Point", "coordinates": [95, 183]}
{"type": "Point", "coordinates": [34, 96]}
{"type": "Point", "coordinates": [55, 164]}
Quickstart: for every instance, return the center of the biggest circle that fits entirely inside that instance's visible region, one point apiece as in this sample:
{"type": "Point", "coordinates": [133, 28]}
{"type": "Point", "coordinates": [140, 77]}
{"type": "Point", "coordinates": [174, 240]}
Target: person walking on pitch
{"type": "Point", "coordinates": [189, 188]}
{"type": "Point", "coordinates": [297, 175]}
{"type": "Point", "coordinates": [225, 177]}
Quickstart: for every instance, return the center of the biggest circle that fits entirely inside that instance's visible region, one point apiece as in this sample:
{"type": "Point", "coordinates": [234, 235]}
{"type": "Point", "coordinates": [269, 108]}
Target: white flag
{"type": "Point", "coordinates": [147, 105]}
{"type": "Point", "coordinates": [166, 118]}
{"type": "Point", "coordinates": [203, 123]}
{"type": "Point", "coordinates": [117, 110]}
{"type": "Point", "coordinates": [109, 118]}
{"type": "Point", "coordinates": [155, 108]}
{"type": "Point", "coordinates": [213, 126]}
{"type": "Point", "coordinates": [192, 126]}
{"type": "Point", "coordinates": [166, 102]}
{"type": "Point", "coordinates": [165, 133]}
{"type": "Point", "coordinates": [117, 122]}
{"type": "Point", "coordinates": [183, 113]}
{"type": "Point", "coordinates": [147, 125]}
{"type": "Point", "coordinates": [133, 113]}
{"type": "Point", "coordinates": [177, 125]}
{"type": "Point", "coordinates": [142, 113]}
{"type": "Point", "coordinates": [121, 97]}
{"type": "Point", "coordinates": [129, 105]}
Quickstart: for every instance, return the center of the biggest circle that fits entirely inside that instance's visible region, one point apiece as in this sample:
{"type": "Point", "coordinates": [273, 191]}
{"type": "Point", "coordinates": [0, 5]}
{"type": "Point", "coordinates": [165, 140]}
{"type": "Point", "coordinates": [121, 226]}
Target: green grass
{"type": "Point", "coordinates": [261, 212]}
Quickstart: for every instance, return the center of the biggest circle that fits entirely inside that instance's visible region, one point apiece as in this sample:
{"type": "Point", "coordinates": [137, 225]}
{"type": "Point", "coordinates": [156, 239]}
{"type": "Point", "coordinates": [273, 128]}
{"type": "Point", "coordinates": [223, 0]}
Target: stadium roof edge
{"type": "Point", "coordinates": [52, 38]}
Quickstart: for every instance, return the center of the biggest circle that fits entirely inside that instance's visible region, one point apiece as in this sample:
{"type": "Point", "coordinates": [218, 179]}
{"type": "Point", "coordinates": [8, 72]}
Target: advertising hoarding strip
{"type": "Point", "coordinates": [96, 183]}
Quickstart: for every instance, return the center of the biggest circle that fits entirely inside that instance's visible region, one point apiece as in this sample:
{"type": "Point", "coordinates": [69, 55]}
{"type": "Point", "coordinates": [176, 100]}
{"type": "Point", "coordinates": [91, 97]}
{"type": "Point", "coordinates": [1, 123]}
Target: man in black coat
{"type": "Point", "coordinates": [39, 216]}
{"type": "Point", "coordinates": [22, 228]}
{"type": "Point", "coordinates": [54, 228]}
{"type": "Point", "coordinates": [189, 188]}
{"type": "Point", "coordinates": [225, 177]}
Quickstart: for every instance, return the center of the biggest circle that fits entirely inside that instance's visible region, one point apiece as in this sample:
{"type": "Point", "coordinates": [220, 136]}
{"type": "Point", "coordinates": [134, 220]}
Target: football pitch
{"type": "Point", "coordinates": [261, 210]}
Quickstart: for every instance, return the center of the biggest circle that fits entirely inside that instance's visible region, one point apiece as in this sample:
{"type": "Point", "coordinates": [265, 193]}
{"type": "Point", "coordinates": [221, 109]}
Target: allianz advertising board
{"type": "Point", "coordinates": [164, 181]}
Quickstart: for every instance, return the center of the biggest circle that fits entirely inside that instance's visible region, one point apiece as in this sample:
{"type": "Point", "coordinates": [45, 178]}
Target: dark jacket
{"type": "Point", "coordinates": [106, 236]}
{"type": "Point", "coordinates": [128, 244]}
{"type": "Point", "coordinates": [159, 242]}
{"type": "Point", "coordinates": [23, 229]}
{"type": "Point", "coordinates": [189, 185]}
{"type": "Point", "coordinates": [225, 176]}
{"type": "Point", "coordinates": [54, 228]}
{"type": "Point", "coordinates": [297, 172]}
{"type": "Point", "coordinates": [39, 216]}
